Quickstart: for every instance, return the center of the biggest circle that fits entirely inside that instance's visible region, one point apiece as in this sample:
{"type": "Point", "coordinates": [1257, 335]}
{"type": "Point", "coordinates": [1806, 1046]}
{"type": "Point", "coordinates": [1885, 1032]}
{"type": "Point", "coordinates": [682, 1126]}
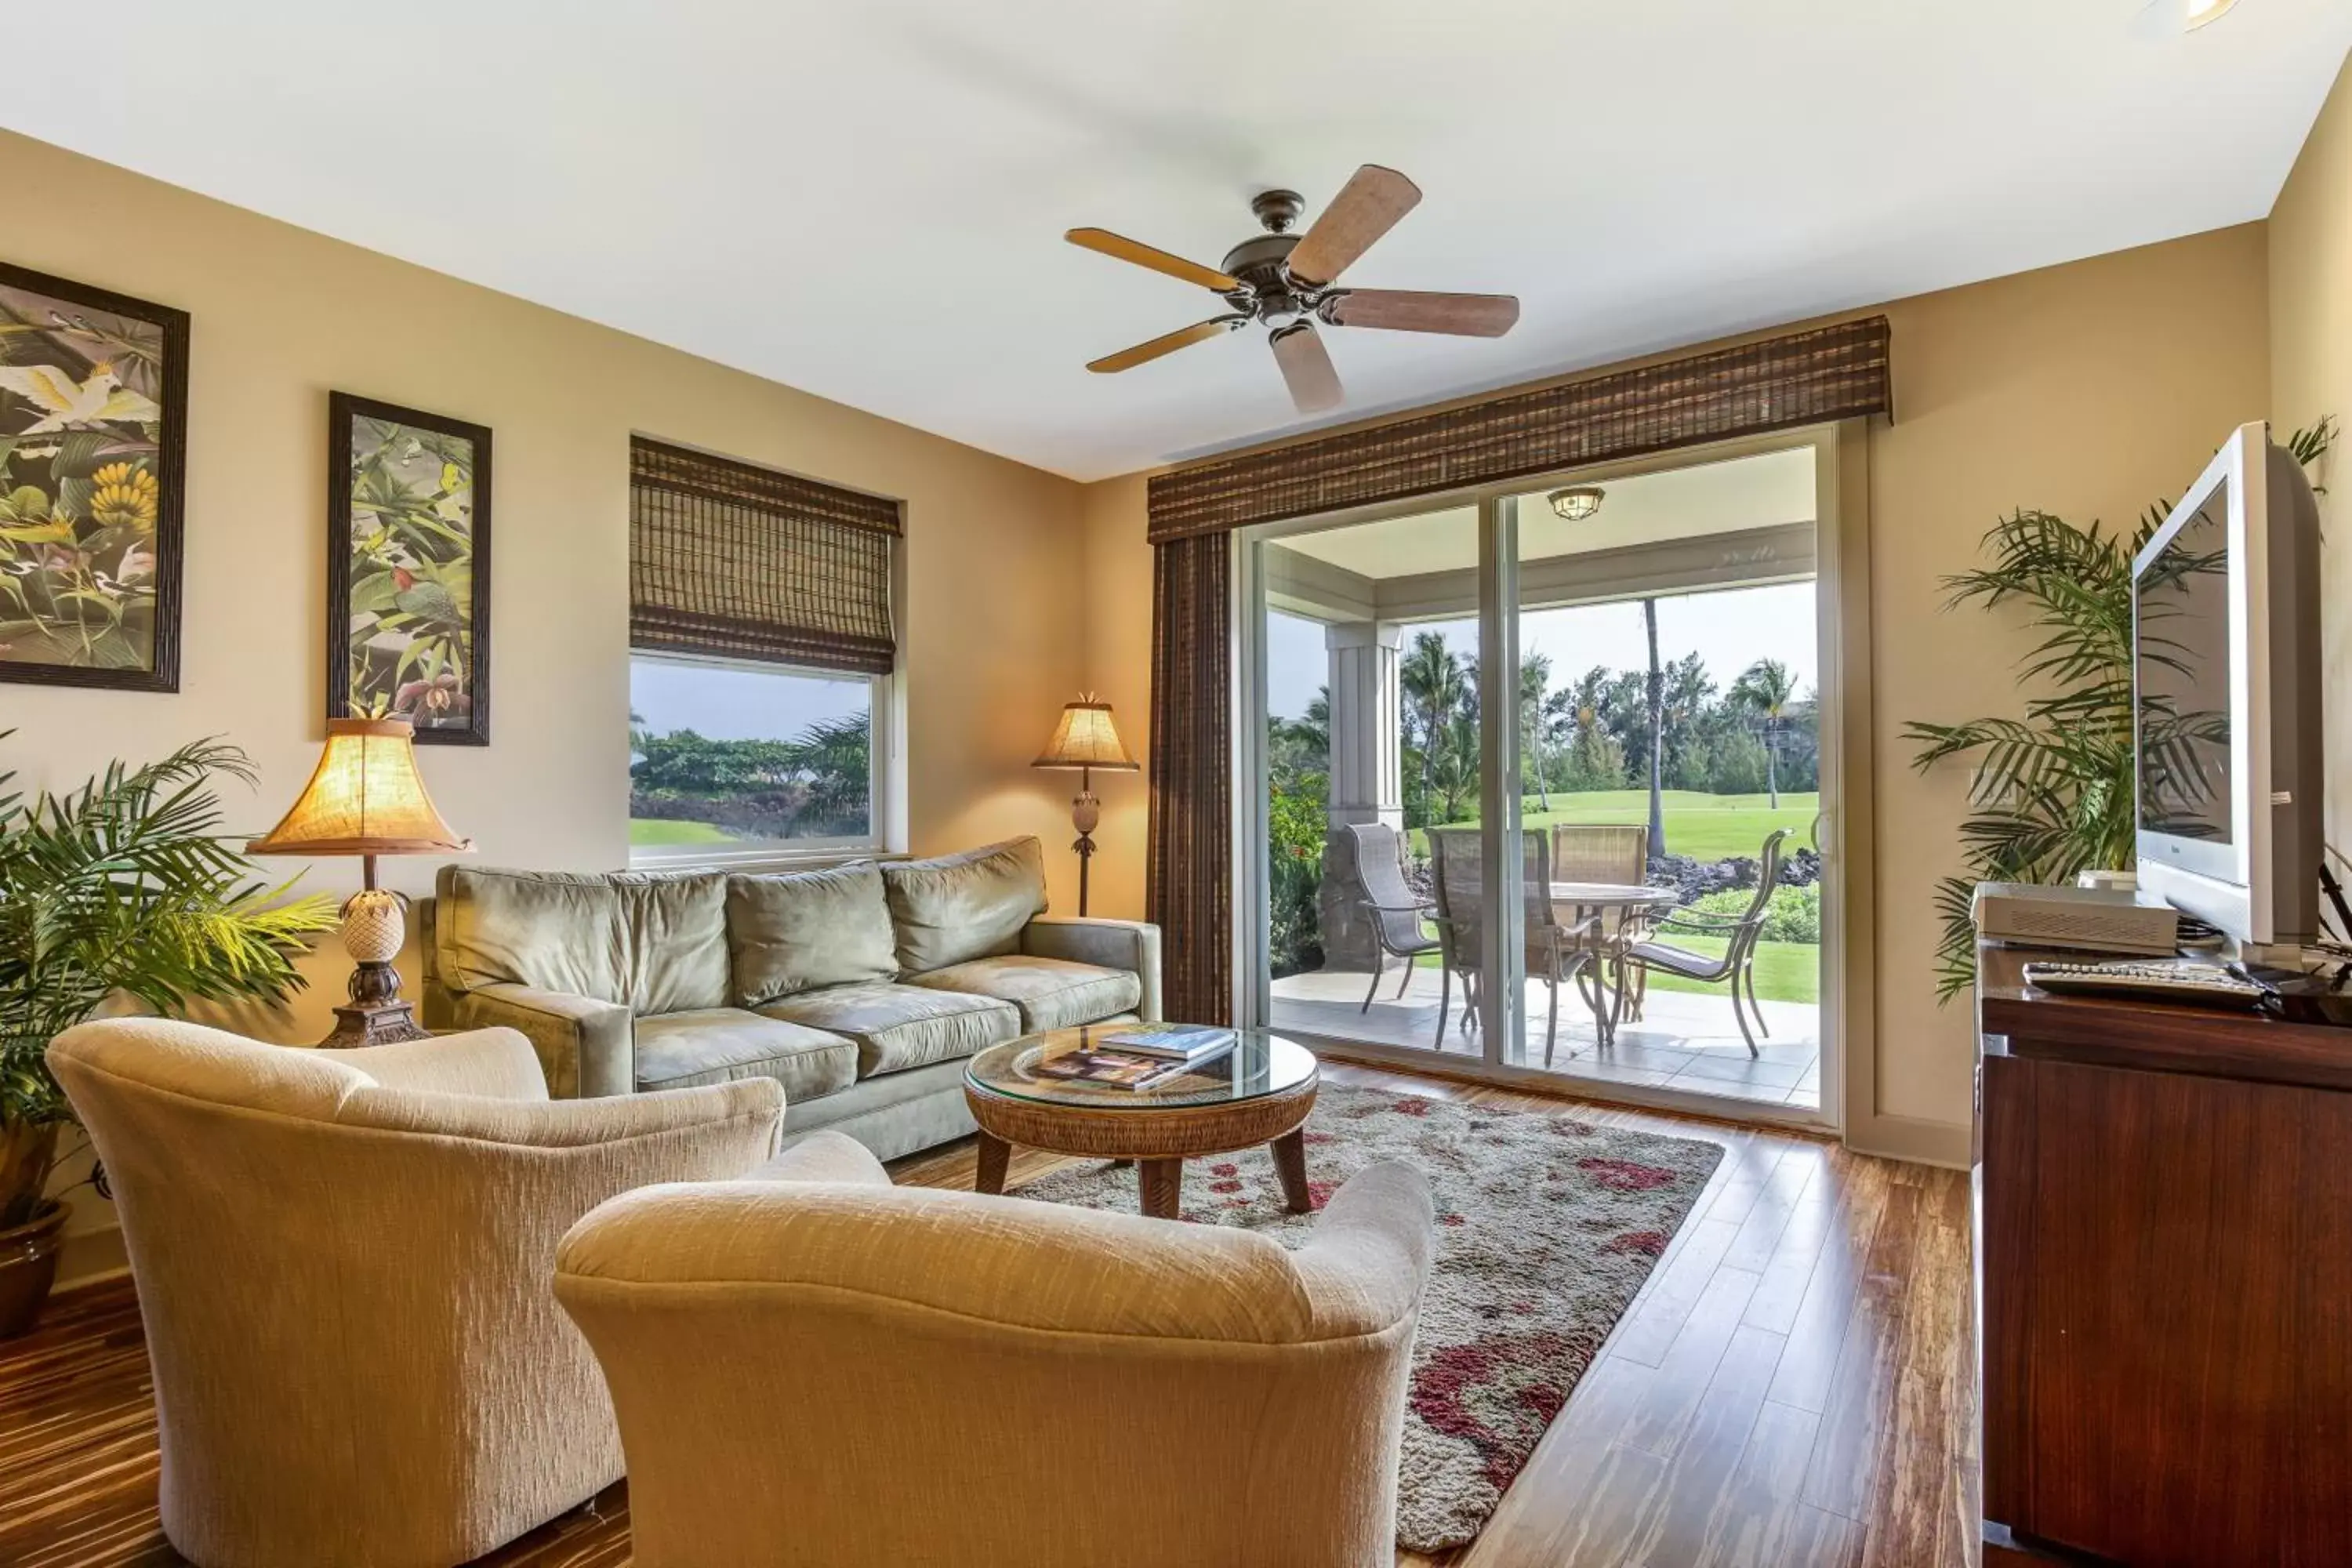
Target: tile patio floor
{"type": "Point", "coordinates": [1686, 1042]}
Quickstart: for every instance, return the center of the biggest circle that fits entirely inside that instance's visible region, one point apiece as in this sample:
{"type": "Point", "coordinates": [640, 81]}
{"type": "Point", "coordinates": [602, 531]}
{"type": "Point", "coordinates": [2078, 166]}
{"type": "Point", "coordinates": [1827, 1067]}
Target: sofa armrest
{"type": "Point", "coordinates": [587, 1047]}
{"type": "Point", "coordinates": [494, 1064]}
{"type": "Point", "coordinates": [1132, 945]}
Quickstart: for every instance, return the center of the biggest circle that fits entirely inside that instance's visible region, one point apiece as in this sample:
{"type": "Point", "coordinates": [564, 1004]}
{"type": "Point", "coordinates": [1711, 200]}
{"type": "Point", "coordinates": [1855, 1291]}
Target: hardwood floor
{"type": "Point", "coordinates": [1792, 1386]}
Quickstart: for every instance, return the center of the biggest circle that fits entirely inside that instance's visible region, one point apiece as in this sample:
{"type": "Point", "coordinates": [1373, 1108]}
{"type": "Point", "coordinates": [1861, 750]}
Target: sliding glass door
{"type": "Point", "coordinates": [1538, 781]}
{"type": "Point", "coordinates": [1367, 685]}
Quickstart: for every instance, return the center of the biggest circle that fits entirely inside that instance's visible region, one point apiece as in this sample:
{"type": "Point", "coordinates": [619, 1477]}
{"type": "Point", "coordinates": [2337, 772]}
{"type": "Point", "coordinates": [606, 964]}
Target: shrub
{"type": "Point", "coordinates": [1794, 915]}
{"type": "Point", "coordinates": [1296, 822]}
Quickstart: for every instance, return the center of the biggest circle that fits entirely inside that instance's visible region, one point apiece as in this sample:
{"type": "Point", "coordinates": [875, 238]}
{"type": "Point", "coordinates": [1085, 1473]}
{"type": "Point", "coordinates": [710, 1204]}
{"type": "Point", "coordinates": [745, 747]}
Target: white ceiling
{"type": "Point", "coordinates": [1764, 492]}
{"type": "Point", "coordinates": [865, 199]}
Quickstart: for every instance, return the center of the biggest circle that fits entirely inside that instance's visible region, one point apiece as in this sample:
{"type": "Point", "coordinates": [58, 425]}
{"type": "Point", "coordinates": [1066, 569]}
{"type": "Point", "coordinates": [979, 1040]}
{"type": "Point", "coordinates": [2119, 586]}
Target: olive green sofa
{"type": "Point", "coordinates": [861, 989]}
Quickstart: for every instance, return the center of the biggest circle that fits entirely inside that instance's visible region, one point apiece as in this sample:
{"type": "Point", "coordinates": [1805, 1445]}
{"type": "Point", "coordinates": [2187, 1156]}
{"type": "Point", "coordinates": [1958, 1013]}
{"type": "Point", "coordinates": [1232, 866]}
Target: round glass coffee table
{"type": "Point", "coordinates": [1259, 1094]}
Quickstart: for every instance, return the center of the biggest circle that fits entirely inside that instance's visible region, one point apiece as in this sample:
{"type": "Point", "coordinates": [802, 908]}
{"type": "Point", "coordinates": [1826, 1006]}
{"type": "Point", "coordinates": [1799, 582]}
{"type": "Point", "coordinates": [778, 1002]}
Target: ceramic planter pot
{"type": "Point", "coordinates": [28, 1267]}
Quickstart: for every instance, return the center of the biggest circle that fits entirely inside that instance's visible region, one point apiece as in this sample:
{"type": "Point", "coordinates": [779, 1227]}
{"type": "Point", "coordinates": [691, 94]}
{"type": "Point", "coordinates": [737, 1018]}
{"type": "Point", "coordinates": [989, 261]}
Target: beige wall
{"type": "Point", "coordinates": [2089, 390]}
{"type": "Point", "coordinates": [1117, 564]}
{"type": "Point", "coordinates": [2311, 377]}
{"type": "Point", "coordinates": [282, 316]}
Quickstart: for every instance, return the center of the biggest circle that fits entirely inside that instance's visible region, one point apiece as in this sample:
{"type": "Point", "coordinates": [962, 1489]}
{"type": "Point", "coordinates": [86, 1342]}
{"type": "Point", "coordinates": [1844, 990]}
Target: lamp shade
{"type": "Point", "coordinates": [363, 798]}
{"type": "Point", "coordinates": [1086, 739]}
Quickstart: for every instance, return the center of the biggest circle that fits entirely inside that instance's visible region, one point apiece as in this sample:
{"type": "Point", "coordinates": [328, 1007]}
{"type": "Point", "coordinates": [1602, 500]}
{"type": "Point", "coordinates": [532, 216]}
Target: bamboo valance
{"type": "Point", "coordinates": [739, 561]}
{"type": "Point", "coordinates": [1839, 372]}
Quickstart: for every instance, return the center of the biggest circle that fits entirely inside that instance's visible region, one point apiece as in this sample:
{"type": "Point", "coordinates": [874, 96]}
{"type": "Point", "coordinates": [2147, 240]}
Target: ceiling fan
{"type": "Point", "coordinates": [1290, 282]}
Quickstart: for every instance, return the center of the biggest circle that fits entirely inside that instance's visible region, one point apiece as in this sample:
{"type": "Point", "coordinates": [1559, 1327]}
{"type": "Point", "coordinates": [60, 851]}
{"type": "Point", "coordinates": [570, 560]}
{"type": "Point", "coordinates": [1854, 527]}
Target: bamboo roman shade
{"type": "Point", "coordinates": [738, 561]}
{"type": "Point", "coordinates": [1840, 371]}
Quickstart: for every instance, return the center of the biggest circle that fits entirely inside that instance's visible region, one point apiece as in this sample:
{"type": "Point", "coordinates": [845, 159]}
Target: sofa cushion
{"type": "Point", "coordinates": [714, 1044]}
{"type": "Point", "coordinates": [966, 906]}
{"type": "Point", "coordinates": [797, 931]}
{"type": "Point", "coordinates": [655, 942]}
{"type": "Point", "coordinates": [1052, 993]}
{"type": "Point", "coordinates": [902, 1027]}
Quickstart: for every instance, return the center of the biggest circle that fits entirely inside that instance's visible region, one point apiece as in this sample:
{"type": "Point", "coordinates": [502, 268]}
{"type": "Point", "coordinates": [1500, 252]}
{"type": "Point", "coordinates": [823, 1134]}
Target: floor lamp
{"type": "Point", "coordinates": [1086, 740]}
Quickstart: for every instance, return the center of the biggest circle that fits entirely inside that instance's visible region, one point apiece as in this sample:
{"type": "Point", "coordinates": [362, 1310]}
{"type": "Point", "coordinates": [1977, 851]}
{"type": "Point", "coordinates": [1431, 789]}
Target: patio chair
{"type": "Point", "coordinates": [1396, 915]}
{"type": "Point", "coordinates": [1607, 852]}
{"type": "Point", "coordinates": [1737, 967]}
{"type": "Point", "coordinates": [1556, 953]}
{"type": "Point", "coordinates": [1600, 852]}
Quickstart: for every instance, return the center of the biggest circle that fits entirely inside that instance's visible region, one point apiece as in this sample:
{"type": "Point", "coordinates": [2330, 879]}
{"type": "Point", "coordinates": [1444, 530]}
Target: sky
{"type": "Point", "coordinates": [734, 704]}
{"type": "Point", "coordinates": [1730, 630]}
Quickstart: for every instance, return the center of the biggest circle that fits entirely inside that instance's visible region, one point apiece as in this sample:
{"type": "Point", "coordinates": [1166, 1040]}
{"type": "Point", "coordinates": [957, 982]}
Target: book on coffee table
{"type": "Point", "coordinates": [1173, 1042]}
{"type": "Point", "coordinates": [1121, 1068]}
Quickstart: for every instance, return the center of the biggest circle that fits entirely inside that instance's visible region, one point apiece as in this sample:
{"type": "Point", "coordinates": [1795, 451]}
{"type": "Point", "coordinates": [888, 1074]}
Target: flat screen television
{"type": "Point", "coordinates": [2225, 685]}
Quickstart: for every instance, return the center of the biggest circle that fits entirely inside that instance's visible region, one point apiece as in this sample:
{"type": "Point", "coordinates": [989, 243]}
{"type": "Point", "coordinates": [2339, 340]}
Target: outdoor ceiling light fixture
{"type": "Point", "coordinates": [1579, 501]}
{"type": "Point", "coordinates": [2203, 11]}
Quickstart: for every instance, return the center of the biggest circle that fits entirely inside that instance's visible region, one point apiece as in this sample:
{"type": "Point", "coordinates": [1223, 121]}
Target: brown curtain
{"type": "Point", "coordinates": [1814, 377]}
{"type": "Point", "coordinates": [740, 561]}
{"type": "Point", "coordinates": [1188, 886]}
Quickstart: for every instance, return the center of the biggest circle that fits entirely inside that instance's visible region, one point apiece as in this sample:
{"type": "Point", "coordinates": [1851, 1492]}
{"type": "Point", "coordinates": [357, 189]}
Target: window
{"type": "Point", "coordinates": [730, 756]}
{"type": "Point", "coordinates": [762, 643]}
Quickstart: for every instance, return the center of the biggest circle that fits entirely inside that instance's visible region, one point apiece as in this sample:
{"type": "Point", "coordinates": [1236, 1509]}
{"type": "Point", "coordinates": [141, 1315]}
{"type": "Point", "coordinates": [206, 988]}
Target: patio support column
{"type": "Point", "coordinates": [1367, 775]}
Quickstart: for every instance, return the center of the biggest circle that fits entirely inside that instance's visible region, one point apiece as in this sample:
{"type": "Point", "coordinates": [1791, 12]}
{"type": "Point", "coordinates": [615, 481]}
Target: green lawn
{"type": "Point", "coordinates": [662, 830]}
{"type": "Point", "coordinates": [1785, 971]}
{"type": "Point", "coordinates": [1706, 826]}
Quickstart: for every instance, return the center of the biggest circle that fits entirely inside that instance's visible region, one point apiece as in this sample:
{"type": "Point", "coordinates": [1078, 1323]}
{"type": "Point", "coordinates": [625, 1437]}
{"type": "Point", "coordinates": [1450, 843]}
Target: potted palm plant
{"type": "Point", "coordinates": [125, 889]}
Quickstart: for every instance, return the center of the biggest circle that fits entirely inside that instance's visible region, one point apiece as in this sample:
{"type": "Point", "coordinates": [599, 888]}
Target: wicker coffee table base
{"type": "Point", "coordinates": [1158, 1140]}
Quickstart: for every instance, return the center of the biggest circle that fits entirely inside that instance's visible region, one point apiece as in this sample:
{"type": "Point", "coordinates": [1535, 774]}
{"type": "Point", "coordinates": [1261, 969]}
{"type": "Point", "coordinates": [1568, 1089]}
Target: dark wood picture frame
{"type": "Point", "coordinates": [345, 410]}
{"type": "Point", "coordinates": [169, 466]}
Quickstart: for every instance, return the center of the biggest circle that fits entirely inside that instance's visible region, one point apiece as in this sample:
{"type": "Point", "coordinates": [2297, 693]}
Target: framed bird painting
{"type": "Point", "coordinates": [93, 458]}
{"type": "Point", "coordinates": [408, 569]}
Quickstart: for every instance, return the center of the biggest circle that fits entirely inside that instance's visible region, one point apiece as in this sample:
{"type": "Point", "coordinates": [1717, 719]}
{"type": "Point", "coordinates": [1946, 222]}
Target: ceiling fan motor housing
{"type": "Point", "coordinates": [1268, 291]}
{"type": "Point", "coordinates": [1270, 294]}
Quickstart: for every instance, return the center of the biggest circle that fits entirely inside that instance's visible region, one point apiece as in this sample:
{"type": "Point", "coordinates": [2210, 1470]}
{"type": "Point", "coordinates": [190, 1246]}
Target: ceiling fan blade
{"type": "Point", "coordinates": [1419, 310]}
{"type": "Point", "coordinates": [1367, 208]}
{"type": "Point", "coordinates": [1306, 367]}
{"type": "Point", "coordinates": [1143, 255]}
{"type": "Point", "coordinates": [1184, 338]}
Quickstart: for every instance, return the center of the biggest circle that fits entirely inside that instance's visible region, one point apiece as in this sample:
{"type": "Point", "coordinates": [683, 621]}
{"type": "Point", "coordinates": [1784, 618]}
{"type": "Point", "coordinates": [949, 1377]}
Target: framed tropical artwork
{"type": "Point", "coordinates": [408, 570]}
{"type": "Point", "coordinates": [93, 455]}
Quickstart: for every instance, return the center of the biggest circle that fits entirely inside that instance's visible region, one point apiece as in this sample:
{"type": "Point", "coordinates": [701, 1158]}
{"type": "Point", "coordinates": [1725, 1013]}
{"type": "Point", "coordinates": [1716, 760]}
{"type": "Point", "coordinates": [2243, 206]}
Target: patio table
{"type": "Point", "coordinates": [1576, 903]}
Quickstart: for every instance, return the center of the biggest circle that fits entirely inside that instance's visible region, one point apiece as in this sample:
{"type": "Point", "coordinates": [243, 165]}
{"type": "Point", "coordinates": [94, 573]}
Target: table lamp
{"type": "Point", "coordinates": [1085, 739]}
{"type": "Point", "coordinates": [365, 798]}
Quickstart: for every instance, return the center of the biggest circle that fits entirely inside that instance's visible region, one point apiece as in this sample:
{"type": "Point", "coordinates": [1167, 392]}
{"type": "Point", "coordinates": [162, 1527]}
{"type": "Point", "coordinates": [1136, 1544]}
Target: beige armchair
{"type": "Point", "coordinates": [343, 1261]}
{"type": "Point", "coordinates": [817, 1367]}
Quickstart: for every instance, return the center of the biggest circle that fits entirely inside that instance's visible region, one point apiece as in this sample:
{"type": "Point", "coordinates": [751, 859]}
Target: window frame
{"type": "Point", "coordinates": [881, 760]}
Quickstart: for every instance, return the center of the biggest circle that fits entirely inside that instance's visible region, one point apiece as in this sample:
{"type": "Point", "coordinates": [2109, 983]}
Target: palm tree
{"type": "Point", "coordinates": [1766, 689]}
{"type": "Point", "coordinates": [1682, 718]}
{"type": "Point", "coordinates": [1561, 723]}
{"type": "Point", "coordinates": [1297, 748]}
{"type": "Point", "coordinates": [1456, 778]}
{"type": "Point", "coordinates": [1315, 726]}
{"type": "Point", "coordinates": [1657, 690]}
{"type": "Point", "coordinates": [836, 758]}
{"type": "Point", "coordinates": [1434, 687]}
{"type": "Point", "coordinates": [1535, 681]}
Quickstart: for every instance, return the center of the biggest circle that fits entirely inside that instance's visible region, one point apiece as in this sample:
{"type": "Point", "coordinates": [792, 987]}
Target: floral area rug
{"type": "Point", "coordinates": [1547, 1227]}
